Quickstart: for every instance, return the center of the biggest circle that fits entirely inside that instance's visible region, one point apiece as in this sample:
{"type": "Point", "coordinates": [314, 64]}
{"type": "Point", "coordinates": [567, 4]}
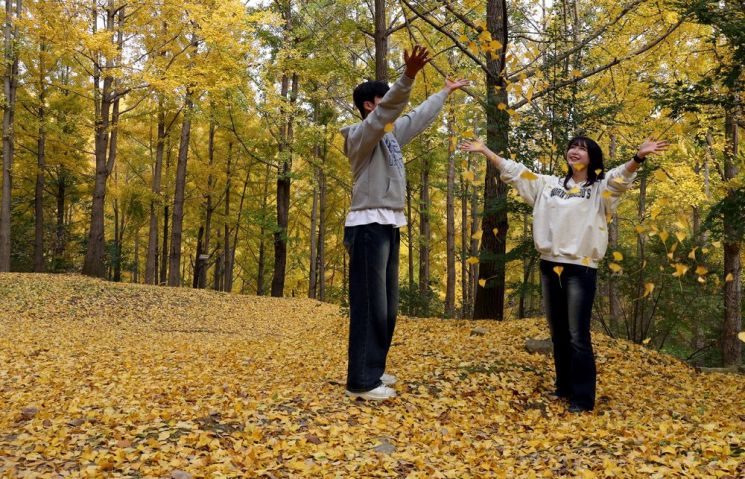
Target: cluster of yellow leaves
{"type": "Point", "coordinates": [111, 380]}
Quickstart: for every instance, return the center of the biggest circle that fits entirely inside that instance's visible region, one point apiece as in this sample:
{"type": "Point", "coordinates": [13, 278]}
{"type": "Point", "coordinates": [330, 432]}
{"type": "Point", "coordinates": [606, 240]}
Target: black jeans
{"type": "Point", "coordinates": [568, 301]}
{"type": "Point", "coordinates": [373, 301]}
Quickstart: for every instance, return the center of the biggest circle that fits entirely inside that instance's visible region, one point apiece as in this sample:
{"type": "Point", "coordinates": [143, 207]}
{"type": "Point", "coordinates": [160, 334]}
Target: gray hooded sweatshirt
{"type": "Point", "coordinates": [375, 155]}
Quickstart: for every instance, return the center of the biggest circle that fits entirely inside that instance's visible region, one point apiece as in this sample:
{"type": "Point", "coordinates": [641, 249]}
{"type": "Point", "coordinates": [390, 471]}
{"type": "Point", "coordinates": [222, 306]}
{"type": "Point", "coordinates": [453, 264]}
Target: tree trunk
{"type": "Point", "coordinates": [166, 216]}
{"type": "Point", "coordinates": [450, 220]}
{"type": "Point", "coordinates": [60, 236]}
{"type": "Point", "coordinates": [262, 243]}
{"type": "Point", "coordinates": [425, 236]}
{"type": "Point", "coordinates": [151, 262]}
{"type": "Point", "coordinates": [208, 208]}
{"type": "Point", "coordinates": [313, 270]}
{"type": "Point", "coordinates": [464, 266]}
{"type": "Point", "coordinates": [614, 304]}
{"type": "Point", "coordinates": [104, 97]}
{"type": "Point", "coordinates": [731, 345]}
{"type": "Point", "coordinates": [381, 42]}
{"type": "Point", "coordinates": [40, 169]}
{"type": "Point", "coordinates": [322, 225]}
{"type": "Point", "coordinates": [637, 330]}
{"type": "Point", "coordinates": [228, 257]}
{"type": "Point", "coordinates": [199, 262]}
{"type": "Point", "coordinates": [284, 180]}
{"type": "Point", "coordinates": [10, 88]}
{"type": "Point", "coordinates": [489, 303]}
{"type": "Point", "coordinates": [174, 257]}
{"type": "Point", "coordinates": [136, 264]}
{"type": "Point", "coordinates": [410, 245]}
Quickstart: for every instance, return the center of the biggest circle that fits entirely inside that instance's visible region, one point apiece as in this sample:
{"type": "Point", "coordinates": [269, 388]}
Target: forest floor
{"type": "Point", "coordinates": [115, 380]}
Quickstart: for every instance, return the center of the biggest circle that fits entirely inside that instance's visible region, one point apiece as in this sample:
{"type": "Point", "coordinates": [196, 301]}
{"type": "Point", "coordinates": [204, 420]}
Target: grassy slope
{"type": "Point", "coordinates": [137, 381]}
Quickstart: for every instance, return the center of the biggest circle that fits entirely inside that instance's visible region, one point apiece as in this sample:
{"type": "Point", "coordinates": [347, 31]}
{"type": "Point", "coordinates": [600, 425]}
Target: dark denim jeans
{"type": "Point", "coordinates": [568, 301]}
{"type": "Point", "coordinates": [373, 301]}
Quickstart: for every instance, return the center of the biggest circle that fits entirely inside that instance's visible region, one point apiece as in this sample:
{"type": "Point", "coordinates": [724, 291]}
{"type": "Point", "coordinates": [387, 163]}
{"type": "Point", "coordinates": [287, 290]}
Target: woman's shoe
{"type": "Point", "coordinates": [380, 393]}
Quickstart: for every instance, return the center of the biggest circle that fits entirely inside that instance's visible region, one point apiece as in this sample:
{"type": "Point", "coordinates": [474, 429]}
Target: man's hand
{"type": "Point", "coordinates": [416, 61]}
{"type": "Point", "coordinates": [452, 85]}
{"type": "Point", "coordinates": [651, 146]}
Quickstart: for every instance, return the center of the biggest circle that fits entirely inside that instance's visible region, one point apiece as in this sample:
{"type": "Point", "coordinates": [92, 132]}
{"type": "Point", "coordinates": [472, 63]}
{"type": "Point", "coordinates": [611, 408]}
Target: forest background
{"type": "Point", "coordinates": [196, 144]}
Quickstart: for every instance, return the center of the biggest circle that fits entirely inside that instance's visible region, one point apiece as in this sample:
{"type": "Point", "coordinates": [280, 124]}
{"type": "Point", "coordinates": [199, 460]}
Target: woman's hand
{"type": "Point", "coordinates": [473, 146]}
{"type": "Point", "coordinates": [452, 85]}
{"type": "Point", "coordinates": [651, 146]}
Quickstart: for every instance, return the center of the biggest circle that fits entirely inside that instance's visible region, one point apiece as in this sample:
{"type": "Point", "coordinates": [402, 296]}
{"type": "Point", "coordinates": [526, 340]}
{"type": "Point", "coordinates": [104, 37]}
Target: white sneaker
{"type": "Point", "coordinates": [388, 379]}
{"type": "Point", "coordinates": [380, 393]}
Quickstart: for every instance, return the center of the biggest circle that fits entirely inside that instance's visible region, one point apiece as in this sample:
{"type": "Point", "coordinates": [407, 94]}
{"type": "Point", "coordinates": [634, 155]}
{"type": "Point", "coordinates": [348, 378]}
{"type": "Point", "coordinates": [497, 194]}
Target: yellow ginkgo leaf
{"type": "Point", "coordinates": [648, 288]}
{"type": "Point", "coordinates": [717, 244]}
{"type": "Point", "coordinates": [741, 336]}
{"type": "Point", "coordinates": [558, 270]}
{"type": "Point", "coordinates": [660, 175]}
{"type": "Point", "coordinates": [701, 279]}
{"type": "Point", "coordinates": [579, 167]}
{"type": "Point", "coordinates": [573, 191]}
{"type": "Point", "coordinates": [617, 256]}
{"type": "Point", "coordinates": [680, 269]}
{"type": "Point", "coordinates": [705, 250]}
{"type": "Point", "coordinates": [463, 39]}
{"type": "Point", "coordinates": [495, 231]}
{"type": "Point", "coordinates": [472, 260]}
{"type": "Point", "coordinates": [598, 171]}
{"type": "Point", "coordinates": [692, 254]}
{"type": "Point", "coordinates": [468, 175]}
{"type": "Point", "coordinates": [616, 268]}
{"type": "Point", "coordinates": [680, 235]}
{"type": "Point", "coordinates": [528, 175]}
{"type": "Point", "coordinates": [663, 235]}
{"type": "Point", "coordinates": [606, 194]}
{"type": "Point", "coordinates": [639, 229]}
{"type": "Point", "coordinates": [388, 127]}
{"type": "Point", "coordinates": [646, 341]}
{"type": "Point", "coordinates": [482, 282]}
{"type": "Point", "coordinates": [586, 261]}
{"type": "Point", "coordinates": [618, 180]}
{"type": "Point", "coordinates": [501, 106]}
{"type": "Point", "coordinates": [477, 235]}
{"type": "Point", "coordinates": [468, 134]}
{"type": "Point", "coordinates": [729, 278]}
{"type": "Point", "coordinates": [700, 270]}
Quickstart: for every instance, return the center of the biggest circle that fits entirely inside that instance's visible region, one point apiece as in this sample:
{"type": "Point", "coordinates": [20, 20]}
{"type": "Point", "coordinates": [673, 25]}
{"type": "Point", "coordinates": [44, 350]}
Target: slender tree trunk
{"type": "Point", "coordinates": [613, 297]}
{"type": "Point", "coordinates": [410, 245]}
{"type": "Point", "coordinates": [262, 234]}
{"type": "Point", "coordinates": [450, 220]}
{"type": "Point", "coordinates": [381, 41]}
{"type": "Point", "coordinates": [489, 303]}
{"type": "Point", "coordinates": [322, 225]}
{"type": "Point", "coordinates": [10, 87]}
{"type": "Point", "coordinates": [60, 236]}
{"type": "Point", "coordinates": [151, 262]}
{"type": "Point", "coordinates": [637, 328]}
{"type": "Point", "coordinates": [163, 256]}
{"type": "Point", "coordinates": [731, 345]}
{"type": "Point", "coordinates": [104, 97]}
{"type": "Point", "coordinates": [40, 169]}
{"type": "Point", "coordinates": [136, 264]}
{"type": "Point", "coordinates": [464, 269]}
{"type": "Point", "coordinates": [312, 274]}
{"type": "Point", "coordinates": [208, 208]}
{"type": "Point", "coordinates": [425, 236]}
{"type": "Point", "coordinates": [199, 263]}
{"type": "Point", "coordinates": [228, 256]}
{"type": "Point", "coordinates": [473, 270]}
{"type": "Point", "coordinates": [283, 192]}
{"type": "Point", "coordinates": [174, 276]}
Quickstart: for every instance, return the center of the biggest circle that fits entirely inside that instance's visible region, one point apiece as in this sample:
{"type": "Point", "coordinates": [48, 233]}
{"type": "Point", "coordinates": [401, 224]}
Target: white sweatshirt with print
{"type": "Point", "coordinates": [569, 224]}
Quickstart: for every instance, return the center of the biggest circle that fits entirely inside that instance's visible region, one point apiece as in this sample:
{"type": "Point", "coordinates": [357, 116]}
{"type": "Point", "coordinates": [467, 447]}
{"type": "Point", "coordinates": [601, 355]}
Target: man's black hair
{"type": "Point", "coordinates": [367, 91]}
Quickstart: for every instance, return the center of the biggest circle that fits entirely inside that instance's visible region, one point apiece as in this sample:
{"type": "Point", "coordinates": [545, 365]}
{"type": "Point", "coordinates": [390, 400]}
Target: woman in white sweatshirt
{"type": "Point", "coordinates": [570, 218]}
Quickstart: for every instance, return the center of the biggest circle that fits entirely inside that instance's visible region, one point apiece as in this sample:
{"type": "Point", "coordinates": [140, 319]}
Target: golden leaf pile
{"type": "Point", "coordinates": [110, 380]}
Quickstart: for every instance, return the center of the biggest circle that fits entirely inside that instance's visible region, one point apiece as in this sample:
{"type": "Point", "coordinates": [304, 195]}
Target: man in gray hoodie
{"type": "Point", "coordinates": [371, 232]}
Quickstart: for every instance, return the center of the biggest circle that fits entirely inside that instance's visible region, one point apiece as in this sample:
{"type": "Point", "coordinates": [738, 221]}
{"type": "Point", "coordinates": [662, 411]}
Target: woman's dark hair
{"type": "Point", "coordinates": [367, 91]}
{"type": "Point", "coordinates": [594, 153]}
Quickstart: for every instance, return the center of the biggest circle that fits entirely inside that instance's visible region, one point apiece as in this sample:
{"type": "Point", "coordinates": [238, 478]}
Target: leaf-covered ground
{"type": "Point", "coordinates": [107, 380]}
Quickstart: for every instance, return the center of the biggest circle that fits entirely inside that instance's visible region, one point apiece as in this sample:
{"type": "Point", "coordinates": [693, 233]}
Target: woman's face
{"type": "Point", "coordinates": [577, 157]}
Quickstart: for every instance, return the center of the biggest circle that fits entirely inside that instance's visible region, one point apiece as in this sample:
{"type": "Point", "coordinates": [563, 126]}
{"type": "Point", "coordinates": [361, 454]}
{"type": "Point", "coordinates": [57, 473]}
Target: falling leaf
{"type": "Point", "coordinates": [648, 288]}
{"type": "Point", "coordinates": [528, 175]}
{"type": "Point", "coordinates": [586, 261]}
{"type": "Point", "coordinates": [598, 171]}
{"type": "Point", "coordinates": [618, 180]}
{"type": "Point", "coordinates": [573, 191]}
{"type": "Point", "coordinates": [680, 235]}
{"type": "Point", "coordinates": [680, 269]}
{"type": "Point", "coordinates": [701, 280]}
{"type": "Point", "coordinates": [388, 127]}
{"type": "Point", "coordinates": [606, 194]}
{"type": "Point", "coordinates": [468, 175]}
{"type": "Point", "coordinates": [717, 244]}
{"type": "Point", "coordinates": [468, 134]}
{"type": "Point", "coordinates": [477, 235]}
{"type": "Point", "coordinates": [472, 260]}
{"type": "Point", "coordinates": [700, 270]}
{"type": "Point", "coordinates": [463, 39]}
{"type": "Point", "coordinates": [482, 282]}
{"type": "Point", "coordinates": [660, 175]}
{"type": "Point", "coordinates": [639, 229]}
{"type": "Point", "coordinates": [741, 336]}
{"type": "Point", "coordinates": [663, 236]}
{"type": "Point", "coordinates": [729, 278]}
{"type": "Point", "coordinates": [692, 254]}
{"type": "Point", "coordinates": [646, 341]}
{"type": "Point", "coordinates": [495, 231]}
{"type": "Point", "coordinates": [617, 256]}
{"type": "Point", "coordinates": [501, 106]}
{"type": "Point", "coordinates": [616, 268]}
{"type": "Point", "coordinates": [579, 167]}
